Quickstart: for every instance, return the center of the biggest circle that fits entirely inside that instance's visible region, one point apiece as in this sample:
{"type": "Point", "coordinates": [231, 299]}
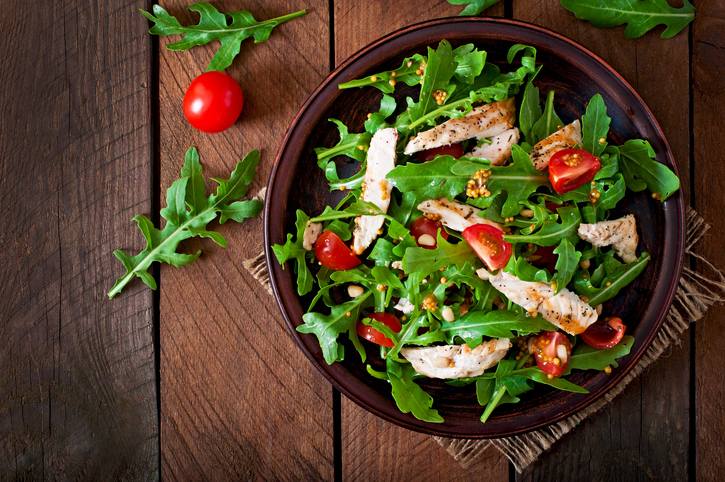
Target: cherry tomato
{"type": "Point", "coordinates": [455, 150]}
{"type": "Point", "coordinates": [551, 206]}
{"type": "Point", "coordinates": [487, 241]}
{"type": "Point", "coordinates": [213, 102]}
{"type": "Point", "coordinates": [333, 253]}
{"type": "Point", "coordinates": [571, 168]}
{"type": "Point", "coordinates": [371, 334]}
{"type": "Point", "coordinates": [605, 333]}
{"type": "Point", "coordinates": [552, 351]}
{"type": "Point", "coordinates": [424, 226]}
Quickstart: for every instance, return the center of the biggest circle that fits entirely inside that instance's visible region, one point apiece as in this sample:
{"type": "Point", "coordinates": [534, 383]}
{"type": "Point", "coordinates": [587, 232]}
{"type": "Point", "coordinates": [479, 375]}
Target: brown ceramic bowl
{"type": "Point", "coordinates": [576, 74]}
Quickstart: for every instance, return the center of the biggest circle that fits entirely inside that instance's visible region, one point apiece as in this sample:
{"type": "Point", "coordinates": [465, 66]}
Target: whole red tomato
{"type": "Point", "coordinates": [213, 102]}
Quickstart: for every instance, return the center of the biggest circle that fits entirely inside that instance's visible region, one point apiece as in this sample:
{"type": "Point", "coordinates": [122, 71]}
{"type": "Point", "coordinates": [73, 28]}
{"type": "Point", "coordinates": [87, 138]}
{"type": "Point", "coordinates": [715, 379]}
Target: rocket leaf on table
{"type": "Point", "coordinates": [182, 223]}
{"type": "Point", "coordinates": [640, 15]}
{"type": "Point", "coordinates": [473, 7]}
{"type": "Point", "coordinates": [214, 25]}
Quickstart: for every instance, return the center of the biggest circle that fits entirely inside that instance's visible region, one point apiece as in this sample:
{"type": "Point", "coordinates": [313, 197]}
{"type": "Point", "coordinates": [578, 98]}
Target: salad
{"type": "Point", "coordinates": [476, 243]}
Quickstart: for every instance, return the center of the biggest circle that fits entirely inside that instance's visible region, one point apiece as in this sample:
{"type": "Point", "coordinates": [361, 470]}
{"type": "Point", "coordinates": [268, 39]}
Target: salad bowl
{"type": "Point", "coordinates": [576, 75]}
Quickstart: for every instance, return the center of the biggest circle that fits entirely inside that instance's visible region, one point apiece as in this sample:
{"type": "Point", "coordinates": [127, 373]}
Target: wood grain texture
{"type": "Point", "coordinates": [374, 449]}
{"type": "Point", "coordinates": [370, 444]}
{"type": "Point", "coordinates": [708, 85]}
{"type": "Point", "coordinates": [644, 433]}
{"type": "Point", "coordinates": [360, 23]}
{"type": "Point", "coordinates": [77, 384]}
{"type": "Point", "coordinates": [238, 398]}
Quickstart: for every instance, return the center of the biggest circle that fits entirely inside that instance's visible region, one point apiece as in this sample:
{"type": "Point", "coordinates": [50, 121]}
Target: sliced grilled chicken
{"type": "Point", "coordinates": [454, 215]}
{"type": "Point", "coordinates": [482, 122]}
{"type": "Point", "coordinates": [565, 138]}
{"type": "Point", "coordinates": [312, 232]}
{"type": "Point", "coordinates": [565, 310]}
{"type": "Point", "coordinates": [380, 161]}
{"type": "Point", "coordinates": [456, 361]}
{"type": "Point", "coordinates": [499, 150]}
{"type": "Point", "coordinates": [620, 234]}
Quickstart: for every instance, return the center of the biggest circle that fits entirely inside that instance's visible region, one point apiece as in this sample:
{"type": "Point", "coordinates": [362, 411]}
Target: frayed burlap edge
{"type": "Point", "coordinates": [695, 294]}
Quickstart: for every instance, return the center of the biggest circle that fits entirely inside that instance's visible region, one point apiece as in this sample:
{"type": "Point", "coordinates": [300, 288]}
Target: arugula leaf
{"type": "Point", "coordinates": [640, 15]}
{"type": "Point", "coordinates": [566, 264]}
{"type": "Point", "coordinates": [351, 145]}
{"type": "Point", "coordinates": [549, 122]}
{"type": "Point", "coordinates": [530, 110]}
{"type": "Point", "coordinates": [519, 179]}
{"type": "Point", "coordinates": [610, 165]}
{"type": "Point", "coordinates": [327, 328]}
{"type": "Point", "coordinates": [426, 261]}
{"type": "Point", "coordinates": [294, 250]}
{"type": "Point", "coordinates": [214, 25]}
{"type": "Point", "coordinates": [474, 325]}
{"type": "Point", "coordinates": [585, 357]}
{"type": "Point", "coordinates": [438, 73]}
{"type": "Point", "coordinates": [470, 62]}
{"type": "Point", "coordinates": [526, 272]}
{"type": "Point", "coordinates": [473, 7]}
{"type": "Point", "coordinates": [405, 73]}
{"type": "Point", "coordinates": [358, 208]}
{"type": "Point", "coordinates": [539, 376]}
{"type": "Point", "coordinates": [181, 224]}
{"type": "Point", "coordinates": [617, 278]}
{"type": "Point", "coordinates": [376, 120]}
{"type": "Point", "coordinates": [595, 126]}
{"type": "Point", "coordinates": [405, 209]}
{"type": "Point", "coordinates": [408, 395]}
{"type": "Point", "coordinates": [430, 180]}
{"type": "Point", "coordinates": [639, 167]}
{"type": "Point", "coordinates": [552, 232]}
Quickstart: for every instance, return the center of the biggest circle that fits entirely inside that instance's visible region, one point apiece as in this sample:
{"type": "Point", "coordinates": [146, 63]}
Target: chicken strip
{"type": "Point", "coordinates": [565, 138]}
{"type": "Point", "coordinates": [380, 161]}
{"type": "Point", "coordinates": [620, 234]}
{"type": "Point", "coordinates": [482, 122]}
{"type": "Point", "coordinates": [454, 215]}
{"type": "Point", "coordinates": [499, 150]}
{"type": "Point", "coordinates": [565, 310]}
{"type": "Point", "coordinates": [456, 361]}
{"type": "Point", "coordinates": [312, 232]}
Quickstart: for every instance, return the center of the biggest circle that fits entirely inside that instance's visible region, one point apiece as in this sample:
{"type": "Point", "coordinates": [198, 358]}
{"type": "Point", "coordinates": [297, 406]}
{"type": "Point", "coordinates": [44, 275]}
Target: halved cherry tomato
{"type": "Point", "coordinates": [487, 241]}
{"type": "Point", "coordinates": [423, 226]}
{"type": "Point", "coordinates": [213, 102]}
{"type": "Point", "coordinates": [571, 168]}
{"type": "Point", "coordinates": [455, 150]}
{"type": "Point", "coordinates": [551, 206]}
{"type": "Point", "coordinates": [552, 351]}
{"type": "Point", "coordinates": [605, 333]}
{"type": "Point", "coordinates": [371, 334]}
{"type": "Point", "coordinates": [333, 253]}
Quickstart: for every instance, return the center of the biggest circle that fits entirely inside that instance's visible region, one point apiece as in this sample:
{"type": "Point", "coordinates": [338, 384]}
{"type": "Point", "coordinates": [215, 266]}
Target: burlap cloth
{"type": "Point", "coordinates": [695, 294]}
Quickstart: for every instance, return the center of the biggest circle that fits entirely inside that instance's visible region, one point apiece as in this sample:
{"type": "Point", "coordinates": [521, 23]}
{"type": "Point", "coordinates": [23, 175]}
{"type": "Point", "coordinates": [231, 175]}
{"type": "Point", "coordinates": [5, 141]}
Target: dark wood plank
{"type": "Point", "coordinates": [645, 432]}
{"type": "Point", "coordinates": [708, 85]}
{"type": "Point", "coordinates": [238, 398]}
{"type": "Point", "coordinates": [77, 385]}
{"type": "Point", "coordinates": [370, 446]}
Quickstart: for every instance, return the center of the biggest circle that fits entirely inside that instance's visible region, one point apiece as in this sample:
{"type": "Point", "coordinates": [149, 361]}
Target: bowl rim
{"type": "Point", "coordinates": [674, 206]}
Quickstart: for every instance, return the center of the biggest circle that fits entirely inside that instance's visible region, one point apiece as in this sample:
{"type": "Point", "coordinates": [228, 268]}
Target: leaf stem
{"type": "Point", "coordinates": [495, 399]}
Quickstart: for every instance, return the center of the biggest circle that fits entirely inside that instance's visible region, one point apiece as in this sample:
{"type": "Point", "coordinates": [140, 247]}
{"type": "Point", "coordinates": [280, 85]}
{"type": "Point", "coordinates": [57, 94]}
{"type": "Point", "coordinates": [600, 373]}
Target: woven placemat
{"type": "Point", "coordinates": [695, 294]}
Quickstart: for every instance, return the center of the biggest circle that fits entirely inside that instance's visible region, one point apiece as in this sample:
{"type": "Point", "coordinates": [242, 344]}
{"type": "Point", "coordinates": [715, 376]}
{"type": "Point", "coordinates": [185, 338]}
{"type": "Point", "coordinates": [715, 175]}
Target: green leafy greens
{"type": "Point", "coordinates": [214, 25]}
{"type": "Point", "coordinates": [187, 214]}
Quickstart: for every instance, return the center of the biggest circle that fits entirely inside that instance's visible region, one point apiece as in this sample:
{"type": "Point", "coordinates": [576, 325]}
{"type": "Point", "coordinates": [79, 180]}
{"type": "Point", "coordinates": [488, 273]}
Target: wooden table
{"type": "Point", "coordinates": [201, 379]}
